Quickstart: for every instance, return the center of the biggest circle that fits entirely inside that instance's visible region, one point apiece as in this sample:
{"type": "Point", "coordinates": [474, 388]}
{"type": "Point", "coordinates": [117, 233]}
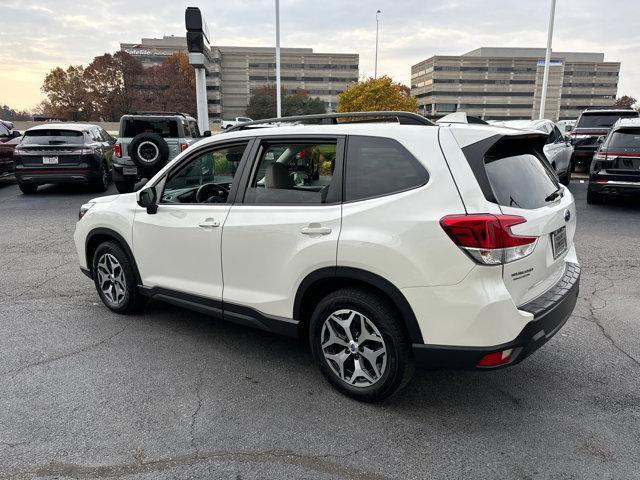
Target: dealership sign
{"type": "Point", "coordinates": [143, 51]}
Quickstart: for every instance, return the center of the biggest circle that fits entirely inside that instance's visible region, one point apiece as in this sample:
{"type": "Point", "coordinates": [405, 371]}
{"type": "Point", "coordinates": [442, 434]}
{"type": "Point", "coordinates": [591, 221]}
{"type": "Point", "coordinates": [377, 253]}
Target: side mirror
{"type": "Point", "coordinates": [601, 139]}
{"type": "Point", "coordinates": [148, 198]}
{"type": "Point", "coordinates": [206, 133]}
{"type": "Point", "coordinates": [567, 137]}
{"type": "Point", "coordinates": [15, 134]}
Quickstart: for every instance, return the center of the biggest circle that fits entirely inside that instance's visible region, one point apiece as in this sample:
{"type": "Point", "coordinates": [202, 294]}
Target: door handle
{"type": "Point", "coordinates": [315, 229]}
{"type": "Point", "coordinates": [209, 223]}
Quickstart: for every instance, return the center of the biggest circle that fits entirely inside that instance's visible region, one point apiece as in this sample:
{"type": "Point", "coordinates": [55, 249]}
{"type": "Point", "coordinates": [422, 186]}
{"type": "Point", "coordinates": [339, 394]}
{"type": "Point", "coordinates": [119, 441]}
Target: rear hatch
{"type": "Point", "coordinates": [593, 125]}
{"type": "Point", "coordinates": [620, 156]}
{"type": "Point", "coordinates": [521, 182]}
{"type": "Point", "coordinates": [51, 148]}
{"type": "Point", "coordinates": [167, 128]}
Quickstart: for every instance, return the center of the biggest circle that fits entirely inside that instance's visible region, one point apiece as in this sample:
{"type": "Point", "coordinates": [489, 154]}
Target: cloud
{"type": "Point", "coordinates": [39, 34]}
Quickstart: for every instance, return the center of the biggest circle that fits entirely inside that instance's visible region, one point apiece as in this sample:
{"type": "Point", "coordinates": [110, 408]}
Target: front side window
{"type": "Point", "coordinates": [293, 174]}
{"type": "Point", "coordinates": [205, 178]}
{"type": "Point", "coordinates": [380, 166]}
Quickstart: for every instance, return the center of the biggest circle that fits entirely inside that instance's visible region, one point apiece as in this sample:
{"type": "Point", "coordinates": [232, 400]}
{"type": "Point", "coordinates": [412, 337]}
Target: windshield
{"type": "Point", "coordinates": [53, 137]}
{"type": "Point", "coordinates": [627, 138]}
{"type": "Point", "coordinates": [603, 120]}
{"type": "Point", "coordinates": [136, 126]}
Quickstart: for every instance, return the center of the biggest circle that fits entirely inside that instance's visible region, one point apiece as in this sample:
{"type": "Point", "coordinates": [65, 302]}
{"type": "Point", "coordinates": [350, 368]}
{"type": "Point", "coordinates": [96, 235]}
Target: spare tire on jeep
{"type": "Point", "coordinates": [149, 151]}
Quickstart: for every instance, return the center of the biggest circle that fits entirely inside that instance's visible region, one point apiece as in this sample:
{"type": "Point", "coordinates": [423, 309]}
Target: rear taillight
{"type": "Point", "coordinates": [117, 150]}
{"type": "Point", "coordinates": [487, 238]}
{"type": "Point", "coordinates": [183, 147]}
{"type": "Point", "coordinates": [600, 156]}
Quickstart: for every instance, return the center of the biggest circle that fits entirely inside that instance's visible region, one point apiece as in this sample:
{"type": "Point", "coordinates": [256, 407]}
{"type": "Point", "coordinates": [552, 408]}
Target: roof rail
{"type": "Point", "coordinates": [403, 118]}
{"type": "Point", "coordinates": [158, 113]}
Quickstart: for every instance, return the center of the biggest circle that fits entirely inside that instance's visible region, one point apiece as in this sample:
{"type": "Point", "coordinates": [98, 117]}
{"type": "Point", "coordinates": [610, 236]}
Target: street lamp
{"type": "Point", "coordinates": [547, 60]}
{"type": "Point", "coordinates": [278, 95]}
{"type": "Point", "coordinates": [375, 71]}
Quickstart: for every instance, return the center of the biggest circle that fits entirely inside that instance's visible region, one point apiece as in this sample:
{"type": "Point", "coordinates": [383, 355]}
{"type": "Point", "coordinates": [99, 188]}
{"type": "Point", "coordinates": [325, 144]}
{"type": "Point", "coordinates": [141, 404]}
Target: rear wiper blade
{"type": "Point", "coordinates": [552, 196]}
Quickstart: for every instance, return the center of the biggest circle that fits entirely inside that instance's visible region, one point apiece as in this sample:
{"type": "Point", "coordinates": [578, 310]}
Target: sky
{"type": "Point", "coordinates": [36, 36]}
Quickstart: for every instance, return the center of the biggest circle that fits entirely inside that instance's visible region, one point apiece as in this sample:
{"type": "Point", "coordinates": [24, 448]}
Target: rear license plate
{"type": "Point", "coordinates": [559, 242]}
{"type": "Point", "coordinates": [50, 160]}
{"type": "Point", "coordinates": [129, 170]}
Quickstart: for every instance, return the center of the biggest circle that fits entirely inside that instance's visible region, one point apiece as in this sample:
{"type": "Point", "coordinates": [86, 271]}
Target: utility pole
{"type": "Point", "coordinates": [278, 93]}
{"type": "Point", "coordinates": [375, 70]}
{"type": "Point", "coordinates": [547, 60]}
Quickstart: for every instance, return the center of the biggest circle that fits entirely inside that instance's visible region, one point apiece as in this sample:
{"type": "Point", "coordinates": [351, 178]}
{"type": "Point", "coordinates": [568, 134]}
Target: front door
{"type": "Point", "coordinates": [178, 247]}
{"type": "Point", "coordinates": [286, 225]}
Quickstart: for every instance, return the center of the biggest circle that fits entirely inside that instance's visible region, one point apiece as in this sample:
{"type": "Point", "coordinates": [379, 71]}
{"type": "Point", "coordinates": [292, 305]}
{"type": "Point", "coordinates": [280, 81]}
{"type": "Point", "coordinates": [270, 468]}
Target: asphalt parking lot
{"type": "Point", "coordinates": [171, 394]}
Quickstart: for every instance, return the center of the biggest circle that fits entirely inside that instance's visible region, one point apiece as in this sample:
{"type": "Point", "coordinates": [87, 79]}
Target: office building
{"type": "Point", "coordinates": [506, 83]}
{"type": "Point", "coordinates": [235, 73]}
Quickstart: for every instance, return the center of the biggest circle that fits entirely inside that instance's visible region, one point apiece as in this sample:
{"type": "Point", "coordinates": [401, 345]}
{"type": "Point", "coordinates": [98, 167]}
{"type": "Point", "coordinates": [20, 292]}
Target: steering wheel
{"type": "Point", "coordinates": [208, 190]}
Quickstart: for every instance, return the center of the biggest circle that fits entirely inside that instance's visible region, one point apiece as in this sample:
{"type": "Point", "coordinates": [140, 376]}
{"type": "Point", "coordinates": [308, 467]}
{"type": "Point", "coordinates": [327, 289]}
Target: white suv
{"type": "Point", "coordinates": [388, 245]}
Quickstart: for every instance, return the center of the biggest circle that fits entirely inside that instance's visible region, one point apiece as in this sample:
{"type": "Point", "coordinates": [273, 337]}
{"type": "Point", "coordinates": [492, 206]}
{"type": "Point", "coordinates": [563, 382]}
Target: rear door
{"type": "Point", "coordinates": [522, 185]}
{"type": "Point", "coordinates": [285, 224]}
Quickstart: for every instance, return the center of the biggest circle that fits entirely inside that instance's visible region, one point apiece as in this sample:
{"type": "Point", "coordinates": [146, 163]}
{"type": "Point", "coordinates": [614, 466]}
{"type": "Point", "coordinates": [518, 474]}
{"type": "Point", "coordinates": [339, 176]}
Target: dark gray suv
{"type": "Point", "coordinates": [147, 141]}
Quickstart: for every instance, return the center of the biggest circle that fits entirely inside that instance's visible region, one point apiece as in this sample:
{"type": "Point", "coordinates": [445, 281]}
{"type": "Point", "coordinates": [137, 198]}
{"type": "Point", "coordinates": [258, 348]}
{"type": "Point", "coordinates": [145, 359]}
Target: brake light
{"type": "Point", "coordinates": [117, 150]}
{"type": "Point", "coordinates": [600, 156]}
{"type": "Point", "coordinates": [183, 147]}
{"type": "Point", "coordinates": [487, 238]}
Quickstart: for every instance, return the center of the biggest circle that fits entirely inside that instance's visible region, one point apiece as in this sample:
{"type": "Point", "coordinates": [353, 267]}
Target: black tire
{"type": "Point", "coordinates": [150, 152]}
{"type": "Point", "coordinates": [399, 366]}
{"type": "Point", "coordinates": [125, 186]}
{"type": "Point", "coordinates": [28, 188]}
{"type": "Point", "coordinates": [101, 183]}
{"type": "Point", "coordinates": [127, 298]}
{"type": "Point", "coordinates": [594, 198]}
{"type": "Point", "coordinates": [566, 178]}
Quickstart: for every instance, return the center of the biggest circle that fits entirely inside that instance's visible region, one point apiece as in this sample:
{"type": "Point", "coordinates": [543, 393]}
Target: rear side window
{"type": "Point", "coordinates": [603, 120]}
{"type": "Point", "coordinates": [53, 137]}
{"type": "Point", "coordinates": [627, 138]}
{"type": "Point", "coordinates": [517, 175]}
{"type": "Point", "coordinates": [4, 131]}
{"type": "Point", "coordinates": [136, 126]}
{"type": "Point", "coordinates": [380, 166]}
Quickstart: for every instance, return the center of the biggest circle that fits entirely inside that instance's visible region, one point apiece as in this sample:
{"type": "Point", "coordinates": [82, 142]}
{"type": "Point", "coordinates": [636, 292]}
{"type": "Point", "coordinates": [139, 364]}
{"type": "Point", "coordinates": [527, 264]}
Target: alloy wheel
{"type": "Point", "coordinates": [113, 284]}
{"type": "Point", "coordinates": [353, 348]}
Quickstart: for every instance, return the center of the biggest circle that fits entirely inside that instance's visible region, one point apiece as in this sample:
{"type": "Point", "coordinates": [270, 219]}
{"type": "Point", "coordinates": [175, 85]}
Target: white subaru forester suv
{"type": "Point", "coordinates": [387, 245]}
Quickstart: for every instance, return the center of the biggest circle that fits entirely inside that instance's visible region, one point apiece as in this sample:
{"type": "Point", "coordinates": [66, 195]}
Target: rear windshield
{"type": "Point", "coordinates": [53, 137]}
{"type": "Point", "coordinates": [603, 120]}
{"type": "Point", "coordinates": [136, 126]}
{"type": "Point", "coordinates": [627, 138]}
{"type": "Point", "coordinates": [518, 177]}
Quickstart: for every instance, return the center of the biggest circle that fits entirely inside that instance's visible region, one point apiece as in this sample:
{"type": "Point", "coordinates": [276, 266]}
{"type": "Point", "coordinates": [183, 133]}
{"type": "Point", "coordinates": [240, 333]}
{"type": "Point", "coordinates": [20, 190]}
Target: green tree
{"type": "Point", "coordinates": [262, 103]}
{"type": "Point", "coordinates": [376, 94]}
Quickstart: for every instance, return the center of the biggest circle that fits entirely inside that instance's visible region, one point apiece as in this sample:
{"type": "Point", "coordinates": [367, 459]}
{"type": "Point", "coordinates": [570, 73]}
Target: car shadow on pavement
{"type": "Point", "coordinates": [430, 390]}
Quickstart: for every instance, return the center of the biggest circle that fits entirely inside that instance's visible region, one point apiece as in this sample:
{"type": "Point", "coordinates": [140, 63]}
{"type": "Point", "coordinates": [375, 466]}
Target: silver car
{"type": "Point", "coordinates": [147, 141]}
{"type": "Point", "coordinates": [558, 148]}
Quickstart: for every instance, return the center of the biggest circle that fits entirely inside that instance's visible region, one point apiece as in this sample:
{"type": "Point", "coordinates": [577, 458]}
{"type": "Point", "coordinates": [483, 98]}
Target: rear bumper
{"type": "Point", "coordinates": [629, 186]}
{"type": "Point", "coordinates": [67, 175]}
{"type": "Point", "coordinates": [550, 312]}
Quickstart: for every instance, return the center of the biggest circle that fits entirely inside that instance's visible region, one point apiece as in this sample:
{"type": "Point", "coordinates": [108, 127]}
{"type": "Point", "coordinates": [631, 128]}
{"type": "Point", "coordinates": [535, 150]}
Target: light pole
{"type": "Point", "coordinates": [547, 60]}
{"type": "Point", "coordinates": [278, 95]}
{"type": "Point", "coordinates": [375, 70]}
